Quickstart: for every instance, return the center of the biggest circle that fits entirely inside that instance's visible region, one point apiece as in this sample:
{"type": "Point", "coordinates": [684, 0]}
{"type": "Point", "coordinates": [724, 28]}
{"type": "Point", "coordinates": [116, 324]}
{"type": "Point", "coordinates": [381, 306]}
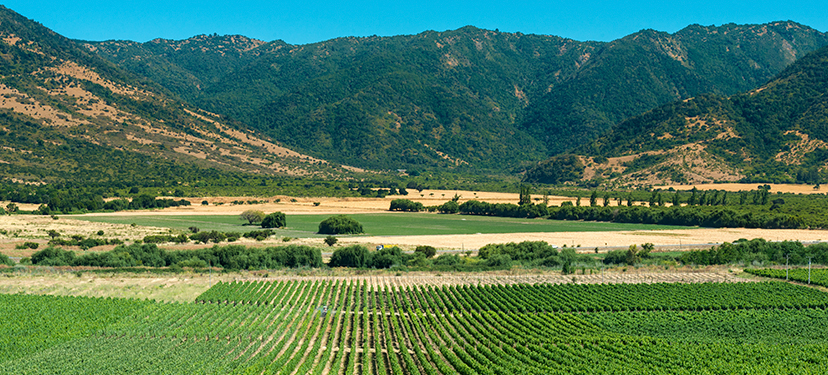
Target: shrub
{"type": "Point", "coordinates": [427, 251]}
{"type": "Point", "coordinates": [252, 216]}
{"type": "Point", "coordinates": [27, 245]}
{"type": "Point", "coordinates": [340, 224]}
{"type": "Point", "coordinates": [351, 256]}
{"type": "Point", "coordinates": [499, 260]}
{"type": "Point", "coordinates": [450, 207]}
{"type": "Point", "coordinates": [405, 205]}
{"type": "Point", "coordinates": [274, 220]}
{"type": "Point", "coordinates": [331, 240]}
{"type": "Point", "coordinates": [447, 260]}
{"type": "Point", "coordinates": [259, 235]}
{"type": "Point", "coordinates": [211, 236]}
{"type": "Point", "coordinates": [4, 259]}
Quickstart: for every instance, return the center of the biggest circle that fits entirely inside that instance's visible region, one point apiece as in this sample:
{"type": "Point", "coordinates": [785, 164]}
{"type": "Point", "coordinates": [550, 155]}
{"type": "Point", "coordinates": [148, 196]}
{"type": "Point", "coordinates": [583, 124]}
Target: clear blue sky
{"type": "Point", "coordinates": [309, 21]}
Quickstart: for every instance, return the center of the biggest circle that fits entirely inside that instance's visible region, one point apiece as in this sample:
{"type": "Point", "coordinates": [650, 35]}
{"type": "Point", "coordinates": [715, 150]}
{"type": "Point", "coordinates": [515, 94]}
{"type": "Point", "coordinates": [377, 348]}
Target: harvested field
{"type": "Point", "coordinates": [785, 188]}
{"type": "Point", "coordinates": [681, 239]}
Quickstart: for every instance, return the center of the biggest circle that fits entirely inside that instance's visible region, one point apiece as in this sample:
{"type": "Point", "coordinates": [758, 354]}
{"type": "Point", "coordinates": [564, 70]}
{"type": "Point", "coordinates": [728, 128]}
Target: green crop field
{"type": "Point", "coordinates": [385, 224]}
{"type": "Point", "coordinates": [353, 327]}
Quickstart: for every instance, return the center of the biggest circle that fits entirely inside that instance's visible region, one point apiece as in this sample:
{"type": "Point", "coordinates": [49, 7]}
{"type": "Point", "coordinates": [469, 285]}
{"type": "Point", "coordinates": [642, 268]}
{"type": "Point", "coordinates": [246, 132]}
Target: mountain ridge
{"type": "Point", "coordinates": [53, 93]}
{"type": "Point", "coordinates": [493, 100]}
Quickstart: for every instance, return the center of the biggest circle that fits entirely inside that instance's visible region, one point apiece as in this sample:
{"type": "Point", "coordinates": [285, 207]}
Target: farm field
{"type": "Point", "coordinates": [384, 224]}
{"type": "Point", "coordinates": [784, 188]}
{"type": "Point", "coordinates": [346, 326]}
{"type": "Point", "coordinates": [819, 276]}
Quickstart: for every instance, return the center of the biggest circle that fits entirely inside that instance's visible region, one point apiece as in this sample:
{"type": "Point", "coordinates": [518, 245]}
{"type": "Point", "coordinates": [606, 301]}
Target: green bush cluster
{"type": "Point", "coordinates": [340, 224]}
{"type": "Point", "coordinates": [232, 257]}
{"type": "Point", "coordinates": [760, 251]}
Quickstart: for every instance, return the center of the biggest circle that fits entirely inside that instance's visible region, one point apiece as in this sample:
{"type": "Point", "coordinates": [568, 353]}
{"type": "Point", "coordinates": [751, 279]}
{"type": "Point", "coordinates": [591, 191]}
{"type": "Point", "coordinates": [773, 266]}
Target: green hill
{"type": "Point", "coordinates": [67, 115]}
{"type": "Point", "coordinates": [463, 99]}
{"type": "Point", "coordinates": [776, 133]}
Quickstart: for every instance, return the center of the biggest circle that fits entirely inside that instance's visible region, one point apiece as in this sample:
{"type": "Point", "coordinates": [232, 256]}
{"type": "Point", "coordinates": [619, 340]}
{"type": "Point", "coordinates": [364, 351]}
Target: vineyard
{"type": "Point", "coordinates": [353, 327]}
{"type": "Point", "coordinates": [818, 276]}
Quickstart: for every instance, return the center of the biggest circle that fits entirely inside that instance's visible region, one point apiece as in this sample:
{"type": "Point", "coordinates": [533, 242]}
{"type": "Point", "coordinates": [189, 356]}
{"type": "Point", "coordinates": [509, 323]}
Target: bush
{"type": "Point", "coordinates": [499, 260]}
{"type": "Point", "coordinates": [27, 245]}
{"type": "Point", "coordinates": [4, 260]}
{"type": "Point", "coordinates": [211, 236]}
{"type": "Point", "coordinates": [447, 260]}
{"type": "Point", "coordinates": [450, 207]}
{"type": "Point", "coordinates": [340, 224]}
{"type": "Point", "coordinates": [331, 240]}
{"type": "Point", "coordinates": [252, 216]}
{"type": "Point", "coordinates": [405, 205]}
{"type": "Point", "coordinates": [259, 235]}
{"type": "Point", "coordinates": [352, 256]}
{"type": "Point", "coordinates": [427, 251]}
{"type": "Point", "coordinates": [274, 220]}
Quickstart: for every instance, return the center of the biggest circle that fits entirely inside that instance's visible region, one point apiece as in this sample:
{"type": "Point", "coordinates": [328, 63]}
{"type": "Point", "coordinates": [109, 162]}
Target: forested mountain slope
{"type": "Point", "coordinates": [778, 132]}
{"type": "Point", "coordinates": [466, 98]}
{"type": "Point", "coordinates": [67, 114]}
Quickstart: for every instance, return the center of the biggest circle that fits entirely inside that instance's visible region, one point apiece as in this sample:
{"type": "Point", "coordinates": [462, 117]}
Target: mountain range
{"type": "Point", "coordinates": [466, 100]}
{"type": "Point", "coordinates": [467, 97]}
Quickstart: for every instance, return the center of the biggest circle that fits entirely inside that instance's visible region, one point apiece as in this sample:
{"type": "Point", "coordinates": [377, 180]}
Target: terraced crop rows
{"type": "Point", "coordinates": [353, 327]}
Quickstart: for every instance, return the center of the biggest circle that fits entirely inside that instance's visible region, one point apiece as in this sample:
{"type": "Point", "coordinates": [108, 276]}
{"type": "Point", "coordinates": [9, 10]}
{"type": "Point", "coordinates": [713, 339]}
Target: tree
{"type": "Point", "coordinates": [331, 240]}
{"type": "Point", "coordinates": [53, 233]}
{"type": "Point", "coordinates": [593, 198]}
{"type": "Point", "coordinates": [274, 220]}
{"type": "Point", "coordinates": [12, 208]}
{"type": "Point", "coordinates": [252, 216]}
{"type": "Point", "coordinates": [340, 224]}
{"type": "Point", "coordinates": [450, 207]}
{"type": "Point", "coordinates": [525, 195]}
{"type": "Point", "coordinates": [633, 255]}
{"type": "Point", "coordinates": [606, 199]}
{"type": "Point", "coordinates": [427, 251]}
{"type": "Point", "coordinates": [351, 256]}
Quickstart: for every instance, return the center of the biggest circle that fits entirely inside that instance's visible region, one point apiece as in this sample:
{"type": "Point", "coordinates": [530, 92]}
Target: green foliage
{"type": "Point", "coordinates": [426, 250]}
{"type": "Point", "coordinates": [356, 256]}
{"type": "Point", "coordinates": [450, 207]}
{"type": "Point", "coordinates": [27, 245]}
{"type": "Point", "coordinates": [331, 240]}
{"type": "Point", "coordinates": [253, 216]}
{"type": "Point", "coordinates": [5, 260]}
{"type": "Point", "coordinates": [230, 257]}
{"type": "Point", "coordinates": [760, 251]}
{"type": "Point", "coordinates": [405, 205]}
{"type": "Point", "coordinates": [556, 170]}
{"type": "Point", "coordinates": [340, 224]}
{"type": "Point", "coordinates": [274, 220]}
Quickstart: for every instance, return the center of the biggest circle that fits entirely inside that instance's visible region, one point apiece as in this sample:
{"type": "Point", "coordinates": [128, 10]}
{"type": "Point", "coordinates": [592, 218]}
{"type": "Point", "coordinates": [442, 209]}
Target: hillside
{"type": "Point", "coordinates": [468, 98]}
{"type": "Point", "coordinates": [775, 133]}
{"type": "Point", "coordinates": [68, 115]}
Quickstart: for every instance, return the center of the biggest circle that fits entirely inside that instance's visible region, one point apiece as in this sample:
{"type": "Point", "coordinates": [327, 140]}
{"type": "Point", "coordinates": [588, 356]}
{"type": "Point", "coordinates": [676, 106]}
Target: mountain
{"type": "Point", "coordinates": [463, 99]}
{"type": "Point", "coordinates": [775, 133]}
{"type": "Point", "coordinates": [67, 114]}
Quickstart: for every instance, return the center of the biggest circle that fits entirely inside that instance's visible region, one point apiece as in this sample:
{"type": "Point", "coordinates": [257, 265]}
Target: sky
{"type": "Point", "coordinates": [303, 22]}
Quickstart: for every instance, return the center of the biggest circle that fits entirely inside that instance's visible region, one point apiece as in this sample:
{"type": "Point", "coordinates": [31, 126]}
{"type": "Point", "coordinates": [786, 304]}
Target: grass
{"type": "Point", "coordinates": [386, 224]}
